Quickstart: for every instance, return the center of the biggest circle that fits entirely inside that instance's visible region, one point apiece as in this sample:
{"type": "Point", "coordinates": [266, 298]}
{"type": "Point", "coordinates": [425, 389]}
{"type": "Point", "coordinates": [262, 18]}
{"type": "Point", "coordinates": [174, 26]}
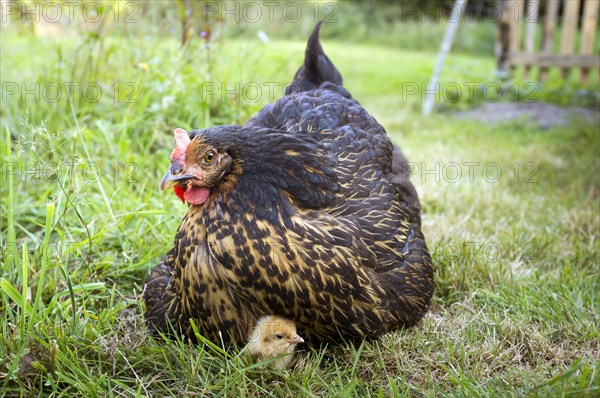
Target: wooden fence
{"type": "Point", "coordinates": [519, 44]}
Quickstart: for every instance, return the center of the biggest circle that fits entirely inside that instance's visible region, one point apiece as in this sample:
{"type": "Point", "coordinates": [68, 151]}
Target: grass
{"type": "Point", "coordinates": [516, 307]}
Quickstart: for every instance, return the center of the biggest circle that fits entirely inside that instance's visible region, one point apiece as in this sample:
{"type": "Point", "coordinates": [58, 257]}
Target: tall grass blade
{"type": "Point", "coordinates": [11, 241]}
{"type": "Point", "coordinates": [50, 208]}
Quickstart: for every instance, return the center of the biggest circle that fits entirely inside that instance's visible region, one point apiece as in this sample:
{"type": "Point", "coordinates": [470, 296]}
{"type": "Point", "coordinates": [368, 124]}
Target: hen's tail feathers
{"type": "Point", "coordinates": [317, 68]}
{"type": "Point", "coordinates": [156, 297]}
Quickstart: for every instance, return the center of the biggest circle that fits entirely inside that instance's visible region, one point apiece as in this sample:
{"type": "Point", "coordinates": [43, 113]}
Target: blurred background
{"type": "Point", "coordinates": [130, 43]}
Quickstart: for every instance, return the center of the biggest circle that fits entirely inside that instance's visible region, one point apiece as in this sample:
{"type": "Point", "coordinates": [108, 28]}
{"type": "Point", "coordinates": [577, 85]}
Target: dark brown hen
{"type": "Point", "coordinates": [306, 212]}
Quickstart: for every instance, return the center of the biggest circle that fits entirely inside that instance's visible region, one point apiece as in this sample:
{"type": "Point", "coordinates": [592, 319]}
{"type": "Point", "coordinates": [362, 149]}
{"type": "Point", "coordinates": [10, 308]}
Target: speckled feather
{"type": "Point", "coordinates": [317, 222]}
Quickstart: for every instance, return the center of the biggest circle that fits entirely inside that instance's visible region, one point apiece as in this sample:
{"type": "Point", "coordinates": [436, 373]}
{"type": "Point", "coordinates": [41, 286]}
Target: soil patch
{"type": "Point", "coordinates": [544, 114]}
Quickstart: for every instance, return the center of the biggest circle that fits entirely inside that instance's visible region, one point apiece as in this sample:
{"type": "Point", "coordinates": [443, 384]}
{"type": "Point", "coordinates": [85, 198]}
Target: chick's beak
{"type": "Point", "coordinates": [173, 177]}
{"type": "Point", "coordinates": [296, 339]}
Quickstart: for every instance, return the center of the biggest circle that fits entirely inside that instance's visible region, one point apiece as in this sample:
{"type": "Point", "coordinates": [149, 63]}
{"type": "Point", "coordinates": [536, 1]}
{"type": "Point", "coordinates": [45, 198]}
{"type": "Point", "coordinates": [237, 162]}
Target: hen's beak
{"type": "Point", "coordinates": [296, 339]}
{"type": "Point", "coordinates": [173, 177]}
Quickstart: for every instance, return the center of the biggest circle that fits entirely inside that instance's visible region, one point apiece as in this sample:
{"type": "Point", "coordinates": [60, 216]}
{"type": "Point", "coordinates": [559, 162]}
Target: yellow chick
{"type": "Point", "coordinates": [274, 337]}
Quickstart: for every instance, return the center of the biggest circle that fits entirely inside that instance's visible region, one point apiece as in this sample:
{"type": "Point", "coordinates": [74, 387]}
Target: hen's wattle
{"type": "Point", "coordinates": [179, 191]}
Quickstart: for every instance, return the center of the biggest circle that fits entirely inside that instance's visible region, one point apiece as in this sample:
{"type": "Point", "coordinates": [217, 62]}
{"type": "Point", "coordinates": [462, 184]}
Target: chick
{"type": "Point", "coordinates": [274, 337]}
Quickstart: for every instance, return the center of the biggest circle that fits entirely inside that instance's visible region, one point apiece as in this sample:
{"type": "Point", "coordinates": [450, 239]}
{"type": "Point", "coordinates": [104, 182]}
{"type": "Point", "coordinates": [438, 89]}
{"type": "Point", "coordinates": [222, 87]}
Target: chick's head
{"type": "Point", "coordinates": [273, 337]}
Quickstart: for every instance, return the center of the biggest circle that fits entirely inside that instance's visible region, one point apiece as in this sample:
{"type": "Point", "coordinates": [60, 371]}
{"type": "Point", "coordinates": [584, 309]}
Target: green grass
{"type": "Point", "coordinates": [516, 307]}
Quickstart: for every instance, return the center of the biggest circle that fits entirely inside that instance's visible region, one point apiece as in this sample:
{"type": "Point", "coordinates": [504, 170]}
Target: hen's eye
{"type": "Point", "coordinates": [209, 157]}
{"type": "Point", "coordinates": [279, 336]}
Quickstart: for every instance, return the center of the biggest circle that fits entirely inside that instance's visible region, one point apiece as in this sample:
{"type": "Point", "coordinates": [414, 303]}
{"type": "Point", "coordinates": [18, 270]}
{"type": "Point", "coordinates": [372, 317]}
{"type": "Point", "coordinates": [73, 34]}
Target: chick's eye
{"type": "Point", "coordinates": [279, 336]}
{"type": "Point", "coordinates": [210, 157]}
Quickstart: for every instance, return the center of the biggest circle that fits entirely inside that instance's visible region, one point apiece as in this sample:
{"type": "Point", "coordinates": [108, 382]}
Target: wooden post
{"type": "Point", "coordinates": [455, 16]}
{"type": "Point", "coordinates": [588, 30]}
{"type": "Point", "coordinates": [517, 9]}
{"type": "Point", "coordinates": [548, 36]}
{"type": "Point", "coordinates": [531, 20]}
{"type": "Point", "coordinates": [569, 30]}
{"type": "Point", "coordinates": [503, 41]}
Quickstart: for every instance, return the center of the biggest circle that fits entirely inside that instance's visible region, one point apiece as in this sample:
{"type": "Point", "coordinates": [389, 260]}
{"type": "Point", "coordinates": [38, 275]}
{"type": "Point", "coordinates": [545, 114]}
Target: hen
{"type": "Point", "coordinates": [306, 211]}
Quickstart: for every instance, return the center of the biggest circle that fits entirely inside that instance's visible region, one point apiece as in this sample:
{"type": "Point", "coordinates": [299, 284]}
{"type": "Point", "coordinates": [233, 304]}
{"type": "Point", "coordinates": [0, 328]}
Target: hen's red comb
{"type": "Point", "coordinates": [182, 141]}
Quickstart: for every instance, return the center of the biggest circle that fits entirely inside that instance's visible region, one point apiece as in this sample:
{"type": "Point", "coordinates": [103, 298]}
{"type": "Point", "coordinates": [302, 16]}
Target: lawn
{"type": "Point", "coordinates": [510, 214]}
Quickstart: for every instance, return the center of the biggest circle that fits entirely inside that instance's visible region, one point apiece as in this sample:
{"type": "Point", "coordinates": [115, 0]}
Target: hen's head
{"type": "Point", "coordinates": [272, 337]}
{"type": "Point", "coordinates": [258, 163]}
{"type": "Point", "coordinates": [197, 167]}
